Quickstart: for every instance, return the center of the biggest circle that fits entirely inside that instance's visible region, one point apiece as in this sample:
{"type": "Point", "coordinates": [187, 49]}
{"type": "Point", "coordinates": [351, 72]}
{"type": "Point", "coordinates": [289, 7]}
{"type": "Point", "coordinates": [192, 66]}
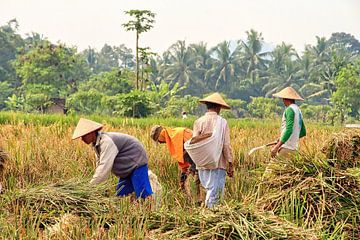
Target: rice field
{"type": "Point", "coordinates": [46, 196]}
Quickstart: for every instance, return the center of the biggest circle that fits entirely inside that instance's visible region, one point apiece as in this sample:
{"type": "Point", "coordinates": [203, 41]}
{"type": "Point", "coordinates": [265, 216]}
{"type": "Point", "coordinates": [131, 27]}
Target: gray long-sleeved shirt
{"type": "Point", "coordinates": [118, 153]}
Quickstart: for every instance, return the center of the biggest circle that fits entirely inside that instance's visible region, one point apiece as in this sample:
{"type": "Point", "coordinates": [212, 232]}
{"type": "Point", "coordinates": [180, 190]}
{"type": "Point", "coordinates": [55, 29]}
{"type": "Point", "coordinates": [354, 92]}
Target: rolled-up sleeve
{"type": "Point", "coordinates": [105, 161]}
{"type": "Point", "coordinates": [227, 151]}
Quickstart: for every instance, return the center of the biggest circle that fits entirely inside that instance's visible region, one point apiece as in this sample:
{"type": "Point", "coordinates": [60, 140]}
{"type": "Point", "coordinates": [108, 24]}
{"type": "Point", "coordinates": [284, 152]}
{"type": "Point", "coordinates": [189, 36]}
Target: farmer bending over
{"type": "Point", "coordinates": [119, 153]}
{"type": "Point", "coordinates": [174, 139]}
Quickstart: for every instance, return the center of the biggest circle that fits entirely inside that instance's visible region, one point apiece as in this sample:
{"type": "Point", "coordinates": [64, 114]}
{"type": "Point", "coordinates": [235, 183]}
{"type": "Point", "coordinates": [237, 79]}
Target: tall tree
{"type": "Point", "coordinates": [142, 21]}
{"type": "Point", "coordinates": [347, 94]}
{"type": "Point", "coordinates": [253, 56]}
{"type": "Point", "coordinates": [54, 65]}
{"type": "Point", "coordinates": [282, 69]}
{"type": "Point", "coordinates": [181, 65]}
{"type": "Point", "coordinates": [225, 66]}
{"type": "Point", "coordinates": [327, 60]}
{"type": "Point", "coordinates": [91, 57]}
{"type": "Point", "coordinates": [10, 41]}
{"type": "Point", "coordinates": [203, 59]}
{"type": "Point", "coordinates": [346, 40]}
{"type": "Point", "coordinates": [125, 56]}
{"type": "Point", "coordinates": [107, 59]}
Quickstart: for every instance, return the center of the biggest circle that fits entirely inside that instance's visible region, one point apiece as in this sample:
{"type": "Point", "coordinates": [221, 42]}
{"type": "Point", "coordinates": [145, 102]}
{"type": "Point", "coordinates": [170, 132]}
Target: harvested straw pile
{"type": "Point", "coordinates": [73, 196]}
{"type": "Point", "coordinates": [314, 193]}
{"type": "Point", "coordinates": [344, 148]}
{"type": "Point", "coordinates": [226, 222]}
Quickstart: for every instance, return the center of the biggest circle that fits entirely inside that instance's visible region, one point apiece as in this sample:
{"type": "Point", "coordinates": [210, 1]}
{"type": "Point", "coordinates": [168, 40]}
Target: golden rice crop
{"type": "Point", "coordinates": [45, 179]}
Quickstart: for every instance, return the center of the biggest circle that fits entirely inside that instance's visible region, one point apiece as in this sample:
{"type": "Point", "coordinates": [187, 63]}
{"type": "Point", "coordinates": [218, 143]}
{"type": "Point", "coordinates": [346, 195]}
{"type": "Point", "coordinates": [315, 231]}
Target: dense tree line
{"type": "Point", "coordinates": [34, 71]}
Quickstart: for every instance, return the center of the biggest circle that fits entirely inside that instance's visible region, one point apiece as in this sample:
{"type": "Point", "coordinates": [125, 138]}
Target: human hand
{"type": "Point", "coordinates": [230, 170]}
{"type": "Point", "coordinates": [274, 151]}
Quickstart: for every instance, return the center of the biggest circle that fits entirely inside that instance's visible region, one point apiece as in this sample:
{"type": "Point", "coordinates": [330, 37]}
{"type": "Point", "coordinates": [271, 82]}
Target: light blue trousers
{"type": "Point", "coordinates": [214, 183]}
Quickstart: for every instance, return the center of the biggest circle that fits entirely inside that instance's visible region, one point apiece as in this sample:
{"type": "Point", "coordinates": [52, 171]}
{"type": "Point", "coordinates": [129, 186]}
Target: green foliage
{"type": "Point", "coordinates": [317, 112]}
{"type": "Point", "coordinates": [5, 92]}
{"type": "Point", "coordinates": [37, 96]}
{"type": "Point", "coordinates": [162, 93]}
{"type": "Point", "coordinates": [109, 83]}
{"type": "Point", "coordinates": [15, 103]}
{"type": "Point", "coordinates": [133, 104]}
{"type": "Point", "coordinates": [142, 21]}
{"type": "Point", "coordinates": [136, 103]}
{"type": "Point", "coordinates": [54, 65]}
{"type": "Point", "coordinates": [177, 104]}
{"type": "Point", "coordinates": [347, 94]}
{"type": "Point", "coordinates": [86, 102]}
{"type": "Point", "coordinates": [264, 107]}
{"type": "Point", "coordinates": [10, 41]}
{"type": "Point", "coordinates": [238, 108]}
{"type": "Point", "coordinates": [241, 70]}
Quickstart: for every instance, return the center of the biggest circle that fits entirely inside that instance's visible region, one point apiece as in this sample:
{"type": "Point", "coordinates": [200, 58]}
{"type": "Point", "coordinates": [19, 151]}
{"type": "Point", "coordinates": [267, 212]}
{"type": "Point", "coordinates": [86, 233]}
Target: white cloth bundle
{"type": "Point", "coordinates": [206, 153]}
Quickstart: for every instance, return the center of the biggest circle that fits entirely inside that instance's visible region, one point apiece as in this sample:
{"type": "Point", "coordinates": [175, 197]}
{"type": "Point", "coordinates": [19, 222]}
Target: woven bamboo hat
{"type": "Point", "coordinates": [84, 127]}
{"type": "Point", "coordinates": [155, 132]}
{"type": "Point", "coordinates": [215, 98]}
{"type": "Point", "coordinates": [288, 93]}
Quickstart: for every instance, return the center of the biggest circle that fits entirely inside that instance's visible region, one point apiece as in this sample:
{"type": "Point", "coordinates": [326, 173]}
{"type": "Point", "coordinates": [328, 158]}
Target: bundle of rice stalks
{"type": "Point", "coordinates": [226, 222]}
{"type": "Point", "coordinates": [313, 192]}
{"type": "Point", "coordinates": [73, 196]}
{"type": "Point", "coordinates": [345, 148]}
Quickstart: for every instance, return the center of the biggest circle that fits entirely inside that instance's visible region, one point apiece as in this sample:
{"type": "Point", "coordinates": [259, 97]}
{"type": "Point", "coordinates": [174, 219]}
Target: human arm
{"type": "Point", "coordinates": [196, 129]}
{"type": "Point", "coordinates": [302, 130]}
{"type": "Point", "coordinates": [227, 151]}
{"type": "Point", "coordinates": [289, 116]}
{"type": "Point", "coordinates": [105, 162]}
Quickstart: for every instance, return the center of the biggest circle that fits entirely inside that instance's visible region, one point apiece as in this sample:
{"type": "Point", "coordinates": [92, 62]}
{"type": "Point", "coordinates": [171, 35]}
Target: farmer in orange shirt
{"type": "Point", "coordinates": [174, 139]}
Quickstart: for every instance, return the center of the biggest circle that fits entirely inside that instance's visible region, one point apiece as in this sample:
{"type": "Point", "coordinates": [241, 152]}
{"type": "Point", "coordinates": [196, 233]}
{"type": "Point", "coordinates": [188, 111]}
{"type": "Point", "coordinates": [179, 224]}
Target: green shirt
{"type": "Point", "coordinates": [290, 116]}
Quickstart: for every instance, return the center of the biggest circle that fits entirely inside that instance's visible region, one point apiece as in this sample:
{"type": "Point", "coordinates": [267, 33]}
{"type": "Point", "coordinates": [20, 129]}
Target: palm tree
{"type": "Point", "coordinates": [180, 65]}
{"type": "Point", "coordinates": [91, 58]}
{"type": "Point", "coordinates": [125, 56]}
{"type": "Point", "coordinates": [283, 69]}
{"type": "Point", "coordinates": [326, 62]}
{"type": "Point", "coordinates": [252, 57]}
{"type": "Point", "coordinates": [203, 60]}
{"type": "Point", "coordinates": [225, 67]}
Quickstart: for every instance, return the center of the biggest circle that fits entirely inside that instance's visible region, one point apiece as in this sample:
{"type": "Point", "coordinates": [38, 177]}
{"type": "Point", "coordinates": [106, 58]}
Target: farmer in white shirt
{"type": "Point", "coordinates": [213, 160]}
{"type": "Point", "coordinates": [119, 153]}
{"type": "Point", "coordinates": [292, 124]}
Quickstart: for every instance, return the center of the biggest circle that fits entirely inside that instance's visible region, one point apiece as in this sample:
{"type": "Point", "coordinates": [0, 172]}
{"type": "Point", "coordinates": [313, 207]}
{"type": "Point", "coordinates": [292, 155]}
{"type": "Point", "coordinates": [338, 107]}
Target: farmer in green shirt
{"type": "Point", "coordinates": [292, 124]}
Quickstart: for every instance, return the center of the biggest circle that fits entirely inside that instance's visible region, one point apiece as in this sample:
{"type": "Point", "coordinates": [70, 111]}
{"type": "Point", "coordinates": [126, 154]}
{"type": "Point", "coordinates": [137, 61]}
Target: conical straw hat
{"type": "Point", "coordinates": [288, 93]}
{"type": "Point", "coordinates": [84, 127]}
{"type": "Point", "coordinates": [215, 98]}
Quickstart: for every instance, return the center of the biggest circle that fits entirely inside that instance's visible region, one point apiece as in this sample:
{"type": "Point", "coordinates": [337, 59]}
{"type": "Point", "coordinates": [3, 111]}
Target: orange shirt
{"type": "Point", "coordinates": [175, 138]}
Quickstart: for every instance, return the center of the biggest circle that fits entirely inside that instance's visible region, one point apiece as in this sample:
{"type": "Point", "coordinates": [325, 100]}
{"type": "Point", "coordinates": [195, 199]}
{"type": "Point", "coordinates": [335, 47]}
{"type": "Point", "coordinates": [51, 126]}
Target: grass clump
{"type": "Point", "coordinates": [314, 193]}
{"type": "Point", "coordinates": [230, 221]}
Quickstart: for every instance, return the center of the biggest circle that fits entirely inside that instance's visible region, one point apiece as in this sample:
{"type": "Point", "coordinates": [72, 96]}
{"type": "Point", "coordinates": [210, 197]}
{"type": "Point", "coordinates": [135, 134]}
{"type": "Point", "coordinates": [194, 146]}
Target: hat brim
{"type": "Point", "coordinates": [288, 97]}
{"type": "Point", "coordinates": [83, 134]}
{"type": "Point", "coordinates": [222, 105]}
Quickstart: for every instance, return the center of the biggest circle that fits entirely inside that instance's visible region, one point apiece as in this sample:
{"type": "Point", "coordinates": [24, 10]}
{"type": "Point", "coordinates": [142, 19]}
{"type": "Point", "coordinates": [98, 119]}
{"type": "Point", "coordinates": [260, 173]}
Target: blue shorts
{"type": "Point", "coordinates": [137, 182]}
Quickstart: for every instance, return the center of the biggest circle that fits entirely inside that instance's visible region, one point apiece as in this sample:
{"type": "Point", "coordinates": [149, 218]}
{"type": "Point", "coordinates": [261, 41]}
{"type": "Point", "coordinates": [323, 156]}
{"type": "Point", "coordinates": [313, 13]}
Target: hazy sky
{"type": "Point", "coordinates": [94, 22]}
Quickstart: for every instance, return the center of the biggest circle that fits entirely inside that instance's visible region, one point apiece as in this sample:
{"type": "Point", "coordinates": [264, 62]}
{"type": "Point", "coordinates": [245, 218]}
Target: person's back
{"type": "Point", "coordinates": [131, 153]}
{"type": "Point", "coordinates": [212, 170]}
{"type": "Point", "coordinates": [174, 138]}
{"type": "Point", "coordinates": [119, 153]}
